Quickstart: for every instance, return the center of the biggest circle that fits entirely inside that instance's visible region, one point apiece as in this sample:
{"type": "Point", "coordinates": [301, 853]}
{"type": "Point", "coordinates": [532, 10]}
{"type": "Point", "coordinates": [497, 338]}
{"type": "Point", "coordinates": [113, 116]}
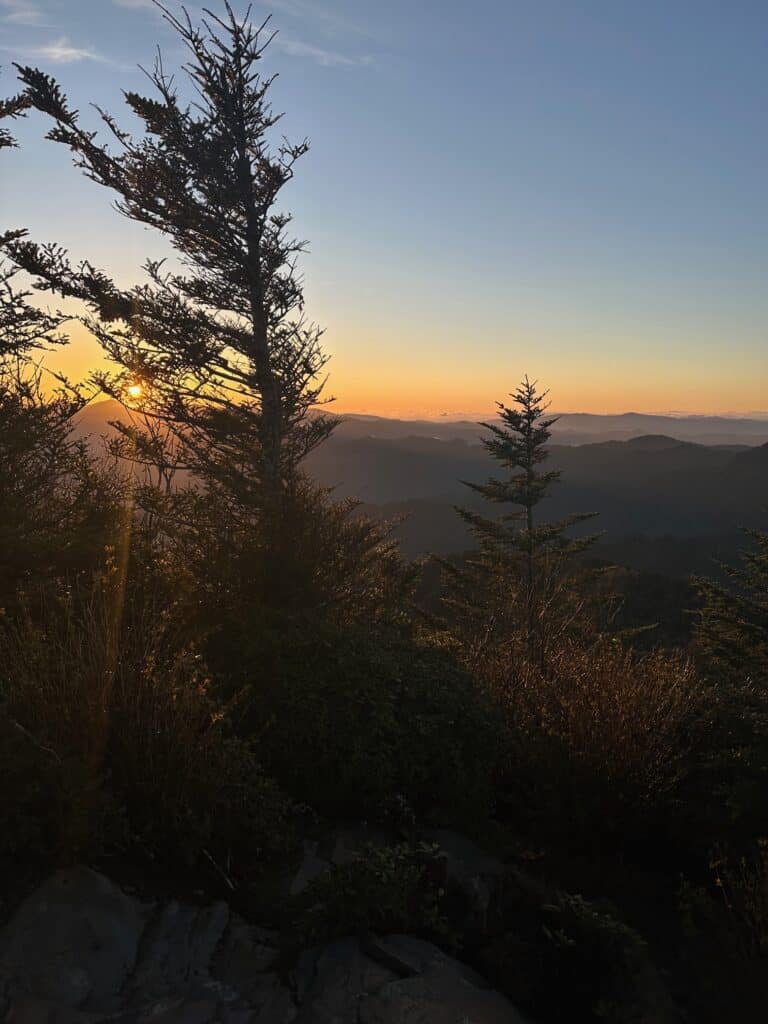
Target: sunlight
{"type": "Point", "coordinates": [135, 390]}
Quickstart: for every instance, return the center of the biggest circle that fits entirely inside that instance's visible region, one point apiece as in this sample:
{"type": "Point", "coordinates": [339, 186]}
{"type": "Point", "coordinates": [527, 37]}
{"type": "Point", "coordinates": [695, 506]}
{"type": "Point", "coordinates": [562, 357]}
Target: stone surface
{"type": "Point", "coordinates": [80, 951]}
{"type": "Point", "coordinates": [244, 956]}
{"type": "Point", "coordinates": [342, 984]}
{"type": "Point", "coordinates": [330, 981]}
{"type": "Point", "coordinates": [444, 997]}
{"type": "Point", "coordinates": [341, 845]}
{"type": "Point", "coordinates": [73, 942]}
{"type": "Point", "coordinates": [471, 880]}
{"type": "Point", "coordinates": [176, 950]}
{"type": "Point", "coordinates": [311, 867]}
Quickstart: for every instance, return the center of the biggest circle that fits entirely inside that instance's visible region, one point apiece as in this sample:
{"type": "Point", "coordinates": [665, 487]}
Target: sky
{"type": "Point", "coordinates": [572, 189]}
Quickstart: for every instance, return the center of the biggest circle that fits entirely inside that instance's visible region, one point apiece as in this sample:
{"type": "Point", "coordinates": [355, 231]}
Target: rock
{"type": "Point", "coordinates": [73, 942]}
{"type": "Point", "coordinates": [38, 1011]}
{"type": "Point", "coordinates": [408, 957]}
{"type": "Point", "coordinates": [471, 879]}
{"type": "Point", "coordinates": [244, 963]}
{"type": "Point", "coordinates": [339, 846]}
{"type": "Point", "coordinates": [330, 981]}
{"type": "Point", "coordinates": [441, 998]}
{"type": "Point", "coordinates": [343, 983]}
{"type": "Point", "coordinates": [246, 953]}
{"type": "Point", "coordinates": [80, 951]}
{"type": "Point", "coordinates": [310, 868]}
{"type": "Point", "coordinates": [178, 945]}
{"type": "Point", "coordinates": [182, 1011]}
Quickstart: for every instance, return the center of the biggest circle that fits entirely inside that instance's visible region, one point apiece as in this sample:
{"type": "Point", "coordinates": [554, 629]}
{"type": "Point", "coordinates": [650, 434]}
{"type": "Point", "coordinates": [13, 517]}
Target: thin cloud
{"type": "Point", "coordinates": [61, 51]}
{"type": "Point", "coordinates": [329, 20]}
{"type": "Point", "coordinates": [19, 12]}
{"type": "Point", "coordinates": [326, 58]}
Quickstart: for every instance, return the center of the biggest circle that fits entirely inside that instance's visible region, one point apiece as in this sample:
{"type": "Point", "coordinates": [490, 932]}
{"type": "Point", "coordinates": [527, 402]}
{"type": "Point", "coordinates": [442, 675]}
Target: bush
{"type": "Point", "coordinates": [99, 682]}
{"type": "Point", "coordinates": [724, 938]}
{"type": "Point", "coordinates": [252, 579]}
{"type": "Point", "coordinates": [566, 958]}
{"type": "Point", "coordinates": [599, 745]}
{"type": "Point", "coordinates": [352, 719]}
{"type": "Point", "coordinates": [734, 906]}
{"type": "Point", "coordinates": [57, 503]}
{"type": "Point", "coordinates": [383, 889]}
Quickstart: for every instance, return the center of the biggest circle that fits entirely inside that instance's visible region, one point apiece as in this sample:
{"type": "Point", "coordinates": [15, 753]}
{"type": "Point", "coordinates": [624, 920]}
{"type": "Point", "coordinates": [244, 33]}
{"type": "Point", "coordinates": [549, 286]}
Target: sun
{"type": "Point", "coordinates": [134, 390]}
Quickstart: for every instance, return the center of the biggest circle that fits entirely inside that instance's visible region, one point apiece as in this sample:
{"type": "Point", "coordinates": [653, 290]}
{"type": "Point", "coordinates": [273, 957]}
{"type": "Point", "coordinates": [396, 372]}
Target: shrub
{"type": "Point", "coordinates": [734, 906]}
{"type": "Point", "coordinates": [100, 682]}
{"type": "Point", "coordinates": [598, 745]}
{"type": "Point", "coordinates": [57, 503]}
{"type": "Point", "coordinates": [383, 889]}
{"type": "Point", "coordinates": [252, 580]}
{"type": "Point", "coordinates": [351, 719]}
{"type": "Point", "coordinates": [566, 958]}
{"type": "Point", "coordinates": [724, 938]}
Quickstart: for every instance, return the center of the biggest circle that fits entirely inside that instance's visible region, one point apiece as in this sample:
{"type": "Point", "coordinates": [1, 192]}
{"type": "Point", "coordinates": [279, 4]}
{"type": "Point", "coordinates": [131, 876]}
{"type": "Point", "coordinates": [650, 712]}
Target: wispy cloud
{"type": "Point", "coordinates": [19, 12]}
{"type": "Point", "coordinates": [329, 20]}
{"type": "Point", "coordinates": [326, 58]}
{"type": "Point", "coordinates": [326, 19]}
{"type": "Point", "coordinates": [61, 51]}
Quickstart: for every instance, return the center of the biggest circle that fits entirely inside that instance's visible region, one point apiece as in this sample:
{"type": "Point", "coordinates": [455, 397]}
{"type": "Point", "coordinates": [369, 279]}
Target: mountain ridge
{"type": "Point", "coordinates": [571, 428]}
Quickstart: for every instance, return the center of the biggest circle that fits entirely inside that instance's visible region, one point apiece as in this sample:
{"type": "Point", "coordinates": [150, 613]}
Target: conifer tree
{"type": "Point", "coordinates": [517, 580]}
{"type": "Point", "coordinates": [219, 344]}
{"type": "Point", "coordinates": [58, 507]}
{"type": "Point", "coordinates": [227, 367]}
{"type": "Point", "coordinates": [732, 630]}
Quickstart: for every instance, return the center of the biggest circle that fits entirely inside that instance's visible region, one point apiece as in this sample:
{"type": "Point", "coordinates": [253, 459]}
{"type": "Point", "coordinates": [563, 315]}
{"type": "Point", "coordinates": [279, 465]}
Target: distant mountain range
{"type": "Point", "coordinates": [652, 486]}
{"type": "Point", "coordinates": [576, 428]}
{"type": "Point", "coordinates": [663, 500]}
{"type": "Point", "coordinates": [571, 428]}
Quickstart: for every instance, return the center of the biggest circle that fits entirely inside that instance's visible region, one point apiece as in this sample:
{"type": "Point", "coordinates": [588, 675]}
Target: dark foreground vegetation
{"type": "Point", "coordinates": [206, 659]}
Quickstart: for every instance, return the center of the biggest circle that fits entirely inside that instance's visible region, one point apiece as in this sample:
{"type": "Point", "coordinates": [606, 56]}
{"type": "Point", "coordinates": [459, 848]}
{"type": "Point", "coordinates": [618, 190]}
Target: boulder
{"type": "Point", "coordinates": [73, 942]}
{"type": "Point", "coordinates": [441, 998]}
{"type": "Point", "coordinates": [393, 980]}
{"type": "Point", "coordinates": [471, 880]}
{"type": "Point", "coordinates": [176, 951]}
{"type": "Point", "coordinates": [329, 982]}
{"type": "Point", "coordinates": [80, 951]}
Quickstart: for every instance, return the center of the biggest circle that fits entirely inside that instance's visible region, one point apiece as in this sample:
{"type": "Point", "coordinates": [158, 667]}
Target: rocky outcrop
{"type": "Point", "coordinates": [80, 950]}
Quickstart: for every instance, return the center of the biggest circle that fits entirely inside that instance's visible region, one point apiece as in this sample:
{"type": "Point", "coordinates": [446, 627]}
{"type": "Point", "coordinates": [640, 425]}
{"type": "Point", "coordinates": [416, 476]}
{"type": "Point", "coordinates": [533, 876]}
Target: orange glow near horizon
{"type": "Point", "coordinates": [463, 389]}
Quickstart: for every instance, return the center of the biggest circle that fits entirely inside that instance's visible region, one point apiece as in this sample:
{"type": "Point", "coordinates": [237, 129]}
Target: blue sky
{"type": "Point", "coordinates": [576, 190]}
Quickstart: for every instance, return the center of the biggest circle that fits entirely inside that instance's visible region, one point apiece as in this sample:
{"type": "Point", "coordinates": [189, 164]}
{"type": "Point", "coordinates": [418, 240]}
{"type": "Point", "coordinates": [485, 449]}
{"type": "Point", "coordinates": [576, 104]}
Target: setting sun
{"type": "Point", "coordinates": [134, 390]}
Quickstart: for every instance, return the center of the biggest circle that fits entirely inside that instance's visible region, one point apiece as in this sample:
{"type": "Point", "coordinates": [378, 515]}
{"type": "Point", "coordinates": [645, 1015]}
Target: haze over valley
{"type": "Point", "coordinates": [671, 492]}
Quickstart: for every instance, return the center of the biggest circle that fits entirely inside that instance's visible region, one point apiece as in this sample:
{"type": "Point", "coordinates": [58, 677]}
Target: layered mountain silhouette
{"type": "Point", "coordinates": [647, 488]}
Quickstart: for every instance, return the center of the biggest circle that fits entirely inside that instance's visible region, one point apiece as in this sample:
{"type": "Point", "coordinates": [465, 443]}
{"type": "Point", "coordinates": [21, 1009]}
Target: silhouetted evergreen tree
{"type": "Point", "coordinates": [222, 348]}
{"type": "Point", "coordinates": [518, 580]}
{"type": "Point", "coordinates": [12, 107]}
{"type": "Point", "coordinates": [732, 630]}
{"type": "Point", "coordinates": [58, 506]}
{"type": "Point", "coordinates": [229, 367]}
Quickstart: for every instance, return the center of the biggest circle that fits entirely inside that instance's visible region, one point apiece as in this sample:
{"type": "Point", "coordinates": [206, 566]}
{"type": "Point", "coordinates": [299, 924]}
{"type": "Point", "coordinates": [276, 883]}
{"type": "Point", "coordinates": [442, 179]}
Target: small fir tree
{"type": "Point", "coordinates": [519, 581]}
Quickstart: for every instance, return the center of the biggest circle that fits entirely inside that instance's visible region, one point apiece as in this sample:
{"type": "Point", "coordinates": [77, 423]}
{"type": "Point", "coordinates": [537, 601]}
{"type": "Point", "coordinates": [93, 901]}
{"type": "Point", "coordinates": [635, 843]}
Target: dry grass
{"type": "Point", "coordinates": [600, 737]}
{"type": "Point", "coordinates": [103, 686]}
